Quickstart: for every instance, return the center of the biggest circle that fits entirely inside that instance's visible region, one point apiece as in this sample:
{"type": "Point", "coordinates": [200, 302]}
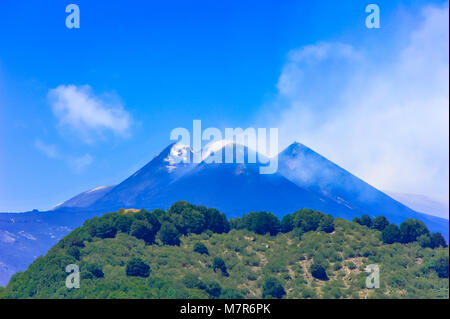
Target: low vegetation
{"type": "Point", "coordinates": [192, 251]}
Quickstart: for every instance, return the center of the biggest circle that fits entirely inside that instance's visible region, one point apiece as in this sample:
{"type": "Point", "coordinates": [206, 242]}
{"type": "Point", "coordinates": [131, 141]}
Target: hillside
{"type": "Point", "coordinates": [305, 180]}
{"type": "Point", "coordinates": [191, 251]}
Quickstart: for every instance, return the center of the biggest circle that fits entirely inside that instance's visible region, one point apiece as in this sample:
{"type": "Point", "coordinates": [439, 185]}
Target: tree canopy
{"type": "Point", "coordinates": [137, 268]}
{"type": "Point", "coordinates": [272, 288]}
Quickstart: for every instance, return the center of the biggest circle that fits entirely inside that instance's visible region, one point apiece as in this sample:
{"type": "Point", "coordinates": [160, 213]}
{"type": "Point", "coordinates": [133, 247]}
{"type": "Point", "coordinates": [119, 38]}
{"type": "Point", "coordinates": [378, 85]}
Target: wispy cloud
{"type": "Point", "coordinates": [90, 115]}
{"type": "Point", "coordinates": [48, 149]}
{"type": "Point", "coordinates": [386, 121]}
{"type": "Point", "coordinates": [76, 163]}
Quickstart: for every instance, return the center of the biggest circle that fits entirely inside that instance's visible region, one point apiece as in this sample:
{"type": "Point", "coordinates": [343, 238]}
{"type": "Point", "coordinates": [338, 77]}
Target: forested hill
{"type": "Point", "coordinates": [192, 251]}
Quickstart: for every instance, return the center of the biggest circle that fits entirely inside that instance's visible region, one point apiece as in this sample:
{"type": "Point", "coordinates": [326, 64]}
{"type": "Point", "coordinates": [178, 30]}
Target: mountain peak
{"type": "Point", "coordinates": [178, 153]}
{"type": "Point", "coordinates": [230, 150]}
{"type": "Point", "coordinates": [294, 149]}
{"type": "Point", "coordinates": [216, 146]}
{"type": "Point", "coordinates": [304, 178]}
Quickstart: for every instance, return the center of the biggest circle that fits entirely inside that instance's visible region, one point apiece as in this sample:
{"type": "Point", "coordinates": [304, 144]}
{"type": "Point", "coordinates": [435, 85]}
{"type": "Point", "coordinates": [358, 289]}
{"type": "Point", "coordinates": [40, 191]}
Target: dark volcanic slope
{"type": "Point", "coordinates": [313, 172]}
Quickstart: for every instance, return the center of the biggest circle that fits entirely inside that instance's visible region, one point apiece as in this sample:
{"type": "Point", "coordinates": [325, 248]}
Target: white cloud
{"type": "Point", "coordinates": [385, 121]}
{"type": "Point", "coordinates": [75, 163]}
{"type": "Point", "coordinates": [79, 108]}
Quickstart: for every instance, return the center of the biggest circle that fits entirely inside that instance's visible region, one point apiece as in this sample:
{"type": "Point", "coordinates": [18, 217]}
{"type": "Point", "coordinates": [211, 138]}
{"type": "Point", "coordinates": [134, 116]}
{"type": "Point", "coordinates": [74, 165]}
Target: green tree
{"type": "Point", "coordinates": [391, 234]}
{"type": "Point", "coordinates": [187, 218]}
{"type": "Point", "coordinates": [169, 234]}
{"type": "Point", "coordinates": [136, 267]}
{"type": "Point", "coordinates": [122, 223]}
{"type": "Point", "coordinates": [411, 229]}
{"type": "Point", "coordinates": [74, 252]}
{"type": "Point", "coordinates": [437, 240]}
{"type": "Point", "coordinates": [287, 223]}
{"type": "Point", "coordinates": [141, 229]}
{"type": "Point", "coordinates": [150, 217]}
{"type": "Point", "coordinates": [74, 240]}
{"type": "Point", "coordinates": [158, 213]}
{"type": "Point", "coordinates": [307, 220]}
{"type": "Point", "coordinates": [213, 289]}
{"type": "Point", "coordinates": [318, 271]}
{"type": "Point", "coordinates": [215, 221]}
{"type": "Point", "coordinates": [192, 281]}
{"type": "Point", "coordinates": [179, 207]}
{"type": "Point", "coordinates": [236, 223]}
{"type": "Point", "coordinates": [380, 223]}
{"type": "Point", "coordinates": [201, 249]}
{"type": "Point", "coordinates": [440, 265]}
{"type": "Point", "coordinates": [272, 288]}
{"type": "Point", "coordinates": [327, 224]}
{"type": "Point", "coordinates": [424, 241]}
{"type": "Point", "coordinates": [366, 220]}
{"type": "Point", "coordinates": [95, 270]}
{"type": "Point", "coordinates": [261, 223]}
{"type": "Point", "coordinates": [219, 263]}
{"type": "Point", "coordinates": [102, 228]}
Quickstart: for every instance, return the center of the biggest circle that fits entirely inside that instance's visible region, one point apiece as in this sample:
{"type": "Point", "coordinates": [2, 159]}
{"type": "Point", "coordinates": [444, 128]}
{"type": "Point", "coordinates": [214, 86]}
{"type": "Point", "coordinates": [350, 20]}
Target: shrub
{"type": "Point", "coordinates": [75, 240]}
{"type": "Point", "coordinates": [95, 270]}
{"type": "Point", "coordinates": [74, 252]}
{"type": "Point", "coordinates": [351, 265]}
{"type": "Point", "coordinates": [201, 249]}
{"type": "Point", "coordinates": [137, 268]}
{"type": "Point", "coordinates": [213, 289]}
{"type": "Point", "coordinates": [272, 288]}
{"type": "Point", "coordinates": [318, 271]}
{"type": "Point", "coordinates": [337, 266]}
{"type": "Point", "coordinates": [231, 293]}
{"type": "Point", "coordinates": [424, 241]}
{"type": "Point", "coordinates": [440, 265]}
{"type": "Point", "coordinates": [192, 281]}
{"type": "Point", "coordinates": [219, 263]}
{"type": "Point", "coordinates": [308, 292]}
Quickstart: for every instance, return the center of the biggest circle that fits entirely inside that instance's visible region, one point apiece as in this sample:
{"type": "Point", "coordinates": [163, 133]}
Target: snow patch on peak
{"type": "Point", "coordinates": [92, 190]}
{"type": "Point", "coordinates": [179, 153]}
{"type": "Point", "coordinates": [214, 147]}
{"type": "Point", "coordinates": [57, 205]}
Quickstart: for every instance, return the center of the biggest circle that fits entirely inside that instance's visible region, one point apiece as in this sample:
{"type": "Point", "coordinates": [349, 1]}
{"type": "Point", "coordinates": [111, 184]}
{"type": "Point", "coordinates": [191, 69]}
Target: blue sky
{"type": "Point", "coordinates": [159, 65]}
